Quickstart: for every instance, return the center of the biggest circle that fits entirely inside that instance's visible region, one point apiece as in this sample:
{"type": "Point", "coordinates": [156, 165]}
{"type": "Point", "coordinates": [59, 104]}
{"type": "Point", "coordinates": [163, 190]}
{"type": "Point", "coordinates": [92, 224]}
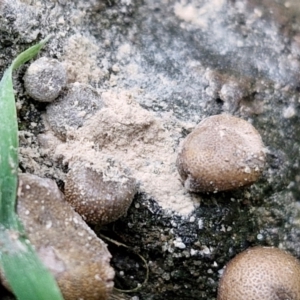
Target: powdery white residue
{"type": "Point", "coordinates": [198, 14]}
{"type": "Point", "coordinates": [79, 57]}
{"type": "Point", "coordinates": [289, 112]}
{"type": "Point", "coordinates": [137, 139]}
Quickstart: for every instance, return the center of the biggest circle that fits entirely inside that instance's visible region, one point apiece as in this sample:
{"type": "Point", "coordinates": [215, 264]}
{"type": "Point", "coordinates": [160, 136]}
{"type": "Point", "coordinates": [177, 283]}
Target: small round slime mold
{"type": "Point", "coordinates": [44, 79]}
{"type": "Point", "coordinates": [99, 196]}
{"type": "Point", "coordinates": [222, 153]}
{"type": "Point", "coordinates": [263, 273]}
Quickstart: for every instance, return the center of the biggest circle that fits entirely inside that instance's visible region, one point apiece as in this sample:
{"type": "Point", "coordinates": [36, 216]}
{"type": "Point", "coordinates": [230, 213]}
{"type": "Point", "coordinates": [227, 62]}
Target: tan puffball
{"type": "Point", "coordinates": [44, 79]}
{"type": "Point", "coordinates": [222, 153]}
{"type": "Point", "coordinates": [100, 197]}
{"type": "Point", "coordinates": [78, 259]}
{"type": "Point", "coordinates": [262, 273]}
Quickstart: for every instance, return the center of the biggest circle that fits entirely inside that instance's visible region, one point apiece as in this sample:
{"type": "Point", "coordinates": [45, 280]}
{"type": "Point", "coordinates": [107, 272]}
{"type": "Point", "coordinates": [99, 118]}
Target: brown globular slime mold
{"type": "Point", "coordinates": [222, 153]}
{"type": "Point", "coordinates": [77, 258]}
{"type": "Point", "coordinates": [99, 196]}
{"type": "Point", "coordinates": [263, 273]}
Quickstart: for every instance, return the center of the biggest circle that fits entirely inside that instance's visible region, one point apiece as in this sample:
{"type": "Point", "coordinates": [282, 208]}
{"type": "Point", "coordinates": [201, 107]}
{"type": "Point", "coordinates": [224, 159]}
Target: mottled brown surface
{"type": "Point", "coordinates": [263, 273]}
{"type": "Point", "coordinates": [67, 246]}
{"type": "Point", "coordinates": [222, 153]}
{"type": "Point", "coordinates": [99, 198]}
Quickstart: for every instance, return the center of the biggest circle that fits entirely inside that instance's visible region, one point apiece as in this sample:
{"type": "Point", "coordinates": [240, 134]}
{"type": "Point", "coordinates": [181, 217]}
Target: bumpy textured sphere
{"type": "Point", "coordinates": [222, 153]}
{"type": "Point", "coordinates": [78, 259]}
{"type": "Point", "coordinates": [44, 79]}
{"type": "Point", "coordinates": [98, 198]}
{"type": "Point", "coordinates": [262, 273]}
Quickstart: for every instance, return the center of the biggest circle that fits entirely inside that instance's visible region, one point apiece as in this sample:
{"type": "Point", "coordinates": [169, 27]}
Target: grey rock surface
{"type": "Point", "coordinates": [76, 104]}
{"type": "Point", "coordinates": [190, 59]}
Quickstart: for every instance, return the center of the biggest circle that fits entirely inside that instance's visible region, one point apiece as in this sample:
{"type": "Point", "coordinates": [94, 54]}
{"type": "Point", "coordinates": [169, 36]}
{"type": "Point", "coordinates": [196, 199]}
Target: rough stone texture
{"type": "Point", "coordinates": [192, 59]}
{"type": "Point", "coordinates": [76, 104]}
{"type": "Point", "coordinates": [78, 259]}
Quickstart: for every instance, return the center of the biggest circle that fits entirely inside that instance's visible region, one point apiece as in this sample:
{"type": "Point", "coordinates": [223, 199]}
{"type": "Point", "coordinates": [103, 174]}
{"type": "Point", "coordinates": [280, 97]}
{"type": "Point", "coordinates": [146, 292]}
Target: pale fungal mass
{"type": "Point", "coordinates": [44, 79]}
{"type": "Point", "coordinates": [124, 130]}
{"type": "Point", "coordinates": [222, 153]}
{"type": "Point", "coordinates": [99, 196]}
{"type": "Point", "coordinates": [263, 273]}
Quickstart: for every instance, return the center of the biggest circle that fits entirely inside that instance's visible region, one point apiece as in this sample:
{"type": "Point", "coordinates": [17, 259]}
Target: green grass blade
{"type": "Point", "coordinates": [26, 275]}
{"type": "Point", "coordinates": [23, 270]}
{"type": "Point", "coordinates": [9, 139]}
{"type": "Point", "coordinates": [29, 54]}
{"type": "Point", "coordinates": [8, 152]}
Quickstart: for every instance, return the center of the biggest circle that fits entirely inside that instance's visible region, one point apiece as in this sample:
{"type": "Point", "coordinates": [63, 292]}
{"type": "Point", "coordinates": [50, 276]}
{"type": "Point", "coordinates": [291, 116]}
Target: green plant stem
{"type": "Point", "coordinates": [8, 152]}
{"type": "Point", "coordinates": [22, 268]}
{"type": "Point", "coordinates": [9, 140]}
